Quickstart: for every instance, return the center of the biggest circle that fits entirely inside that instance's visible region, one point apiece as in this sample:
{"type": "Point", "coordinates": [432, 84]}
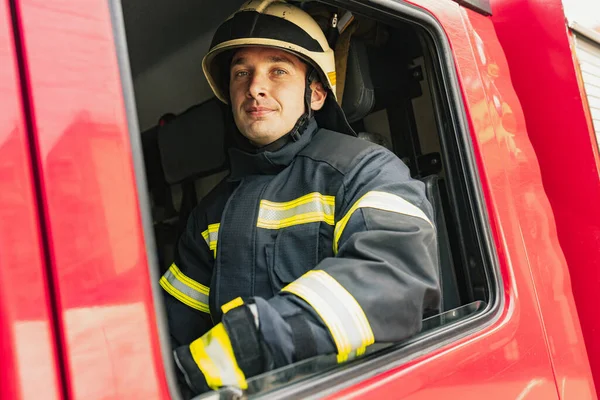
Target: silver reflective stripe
{"type": "Point", "coordinates": [353, 354]}
{"type": "Point", "coordinates": [381, 201]}
{"type": "Point", "coordinates": [185, 289]}
{"type": "Point", "coordinates": [214, 356]}
{"type": "Point", "coordinates": [313, 207]}
{"type": "Point", "coordinates": [269, 214]}
{"type": "Point", "coordinates": [340, 311]}
{"type": "Point", "coordinates": [211, 236]}
{"type": "Point", "coordinates": [222, 362]}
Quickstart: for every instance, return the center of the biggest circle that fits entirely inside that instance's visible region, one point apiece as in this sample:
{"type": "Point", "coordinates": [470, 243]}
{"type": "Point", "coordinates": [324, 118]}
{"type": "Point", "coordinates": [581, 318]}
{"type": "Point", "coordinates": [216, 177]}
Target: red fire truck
{"type": "Point", "coordinates": [495, 105]}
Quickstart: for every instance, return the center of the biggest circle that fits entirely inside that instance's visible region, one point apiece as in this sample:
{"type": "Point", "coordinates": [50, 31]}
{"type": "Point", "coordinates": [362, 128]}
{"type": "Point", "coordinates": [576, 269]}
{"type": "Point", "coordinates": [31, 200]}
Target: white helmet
{"type": "Point", "coordinates": [269, 23]}
{"type": "Point", "coordinates": [275, 23]}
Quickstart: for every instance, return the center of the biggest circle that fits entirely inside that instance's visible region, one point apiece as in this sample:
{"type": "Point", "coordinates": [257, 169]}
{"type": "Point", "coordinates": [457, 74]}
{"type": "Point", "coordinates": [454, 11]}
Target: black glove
{"type": "Point", "coordinates": [225, 355]}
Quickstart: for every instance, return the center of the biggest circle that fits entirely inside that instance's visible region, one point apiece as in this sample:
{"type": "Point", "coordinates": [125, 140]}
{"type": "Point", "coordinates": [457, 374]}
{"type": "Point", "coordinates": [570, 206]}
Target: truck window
{"type": "Point", "coordinates": [401, 92]}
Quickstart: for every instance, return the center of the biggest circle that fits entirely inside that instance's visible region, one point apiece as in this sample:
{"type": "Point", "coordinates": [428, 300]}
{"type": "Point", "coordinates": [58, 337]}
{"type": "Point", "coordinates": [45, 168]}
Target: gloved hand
{"type": "Point", "coordinates": [225, 355]}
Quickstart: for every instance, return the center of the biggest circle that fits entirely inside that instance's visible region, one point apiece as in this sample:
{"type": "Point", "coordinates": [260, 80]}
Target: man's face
{"type": "Point", "coordinates": [267, 92]}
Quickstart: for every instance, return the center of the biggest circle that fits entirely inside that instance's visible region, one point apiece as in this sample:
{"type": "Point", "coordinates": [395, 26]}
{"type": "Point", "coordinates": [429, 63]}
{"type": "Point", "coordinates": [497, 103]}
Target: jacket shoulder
{"type": "Point", "coordinates": [213, 203]}
{"type": "Point", "coordinates": [339, 150]}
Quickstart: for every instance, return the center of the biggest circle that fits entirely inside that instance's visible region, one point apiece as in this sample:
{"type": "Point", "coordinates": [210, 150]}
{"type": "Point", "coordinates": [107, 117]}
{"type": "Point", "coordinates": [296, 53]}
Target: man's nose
{"type": "Point", "coordinates": [257, 86]}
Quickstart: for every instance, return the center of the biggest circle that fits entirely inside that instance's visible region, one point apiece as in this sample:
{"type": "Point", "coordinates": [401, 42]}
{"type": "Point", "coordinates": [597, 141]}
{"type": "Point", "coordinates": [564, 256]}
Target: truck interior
{"type": "Point", "coordinates": [400, 91]}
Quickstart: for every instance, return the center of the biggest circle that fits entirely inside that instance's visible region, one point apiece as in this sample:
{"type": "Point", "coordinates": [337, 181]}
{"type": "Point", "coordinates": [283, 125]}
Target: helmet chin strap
{"type": "Point", "coordinates": [298, 129]}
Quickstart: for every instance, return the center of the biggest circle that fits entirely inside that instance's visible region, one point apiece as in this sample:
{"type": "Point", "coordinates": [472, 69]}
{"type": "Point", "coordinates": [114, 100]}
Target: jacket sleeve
{"type": "Point", "coordinates": [186, 282]}
{"type": "Point", "coordinates": [381, 279]}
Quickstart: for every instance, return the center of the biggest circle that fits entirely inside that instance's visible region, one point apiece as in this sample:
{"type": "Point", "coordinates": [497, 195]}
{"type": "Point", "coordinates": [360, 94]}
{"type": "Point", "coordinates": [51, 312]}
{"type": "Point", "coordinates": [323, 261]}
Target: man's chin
{"type": "Point", "coordinates": [261, 138]}
{"type": "Point", "coordinates": [261, 129]}
{"type": "Point", "coordinates": [264, 136]}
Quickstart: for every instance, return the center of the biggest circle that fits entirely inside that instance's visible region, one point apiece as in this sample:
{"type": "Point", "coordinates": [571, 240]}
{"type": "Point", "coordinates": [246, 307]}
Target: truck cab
{"type": "Point", "coordinates": [111, 136]}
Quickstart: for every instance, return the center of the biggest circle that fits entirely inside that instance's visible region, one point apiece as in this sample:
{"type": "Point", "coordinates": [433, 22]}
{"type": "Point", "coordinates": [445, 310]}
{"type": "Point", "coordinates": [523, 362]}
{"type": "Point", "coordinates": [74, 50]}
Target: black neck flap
{"type": "Point", "coordinates": [330, 116]}
{"type": "Point", "coordinates": [242, 142]}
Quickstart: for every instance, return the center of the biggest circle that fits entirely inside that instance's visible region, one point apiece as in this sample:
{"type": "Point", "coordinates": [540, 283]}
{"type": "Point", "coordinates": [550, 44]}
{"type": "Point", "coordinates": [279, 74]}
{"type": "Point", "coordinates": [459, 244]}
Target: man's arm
{"type": "Point", "coordinates": [383, 275]}
{"type": "Point", "coordinates": [186, 283]}
{"type": "Point", "coordinates": [376, 287]}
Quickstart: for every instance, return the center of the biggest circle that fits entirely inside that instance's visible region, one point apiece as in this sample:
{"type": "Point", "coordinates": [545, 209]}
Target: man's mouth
{"type": "Point", "coordinates": [258, 111]}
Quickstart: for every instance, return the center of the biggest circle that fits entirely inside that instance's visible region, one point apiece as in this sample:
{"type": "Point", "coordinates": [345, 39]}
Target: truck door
{"type": "Point", "coordinates": [94, 211]}
{"type": "Point", "coordinates": [91, 218]}
{"type": "Point", "coordinates": [28, 351]}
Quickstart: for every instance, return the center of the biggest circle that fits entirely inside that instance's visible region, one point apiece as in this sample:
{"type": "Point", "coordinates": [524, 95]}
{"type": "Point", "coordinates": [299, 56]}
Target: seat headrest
{"type": "Point", "coordinates": [359, 95]}
{"type": "Point", "coordinates": [376, 138]}
{"type": "Point", "coordinates": [193, 143]}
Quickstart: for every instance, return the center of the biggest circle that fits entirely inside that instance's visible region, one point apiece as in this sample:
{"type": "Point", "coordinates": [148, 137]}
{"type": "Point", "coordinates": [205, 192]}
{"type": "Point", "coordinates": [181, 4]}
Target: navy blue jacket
{"type": "Point", "coordinates": [328, 230]}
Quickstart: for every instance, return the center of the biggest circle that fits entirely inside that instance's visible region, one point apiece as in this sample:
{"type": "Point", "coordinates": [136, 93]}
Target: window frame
{"type": "Point", "coordinates": [143, 197]}
{"type": "Point", "coordinates": [463, 181]}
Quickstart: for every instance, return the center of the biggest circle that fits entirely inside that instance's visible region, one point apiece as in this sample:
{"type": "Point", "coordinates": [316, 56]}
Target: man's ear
{"type": "Point", "coordinates": [318, 95]}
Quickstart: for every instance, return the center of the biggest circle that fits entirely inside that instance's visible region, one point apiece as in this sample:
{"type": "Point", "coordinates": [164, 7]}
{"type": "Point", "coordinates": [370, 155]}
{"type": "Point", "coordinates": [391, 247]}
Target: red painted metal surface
{"type": "Point", "coordinates": [545, 79]}
{"type": "Point", "coordinates": [106, 312]}
{"type": "Point", "coordinates": [28, 357]}
{"type": "Point", "coordinates": [535, 350]}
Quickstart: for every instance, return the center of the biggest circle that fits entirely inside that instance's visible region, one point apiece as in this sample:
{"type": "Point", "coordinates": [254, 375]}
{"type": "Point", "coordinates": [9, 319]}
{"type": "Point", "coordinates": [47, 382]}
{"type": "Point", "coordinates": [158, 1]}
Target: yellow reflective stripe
{"type": "Point", "coordinates": [205, 363]}
{"type": "Point", "coordinates": [332, 77]}
{"type": "Point", "coordinates": [381, 201]}
{"type": "Point", "coordinates": [346, 299]}
{"type": "Point", "coordinates": [213, 354]}
{"type": "Point", "coordinates": [309, 198]}
{"type": "Point", "coordinates": [326, 314]}
{"type": "Point", "coordinates": [232, 304]}
{"type": "Point", "coordinates": [345, 357]}
{"type": "Point", "coordinates": [338, 309]}
{"type": "Point", "coordinates": [212, 228]}
{"type": "Point", "coordinates": [211, 236]}
{"type": "Point", "coordinates": [188, 281]}
{"type": "Point", "coordinates": [185, 289]}
{"type": "Point", "coordinates": [185, 299]}
{"type": "Point", "coordinates": [313, 207]}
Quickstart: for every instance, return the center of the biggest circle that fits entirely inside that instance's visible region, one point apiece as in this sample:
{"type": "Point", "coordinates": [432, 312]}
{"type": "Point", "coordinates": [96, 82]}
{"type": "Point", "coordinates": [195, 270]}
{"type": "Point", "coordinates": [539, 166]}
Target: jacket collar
{"type": "Point", "coordinates": [269, 161]}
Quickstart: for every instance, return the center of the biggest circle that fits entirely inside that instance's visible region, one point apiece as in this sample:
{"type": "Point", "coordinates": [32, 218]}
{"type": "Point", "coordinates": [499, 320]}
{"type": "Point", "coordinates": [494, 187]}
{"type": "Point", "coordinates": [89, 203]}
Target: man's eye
{"type": "Point", "coordinates": [280, 72]}
{"type": "Point", "coordinates": [240, 74]}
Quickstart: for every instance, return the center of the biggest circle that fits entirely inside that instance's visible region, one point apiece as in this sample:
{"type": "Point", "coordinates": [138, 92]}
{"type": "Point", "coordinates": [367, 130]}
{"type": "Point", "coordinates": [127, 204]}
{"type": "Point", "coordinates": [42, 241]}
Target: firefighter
{"type": "Point", "coordinates": [317, 242]}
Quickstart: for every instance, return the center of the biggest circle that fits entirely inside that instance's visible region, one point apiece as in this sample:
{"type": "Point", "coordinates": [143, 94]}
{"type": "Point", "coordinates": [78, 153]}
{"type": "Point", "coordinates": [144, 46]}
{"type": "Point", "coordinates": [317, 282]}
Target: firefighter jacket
{"type": "Point", "coordinates": [328, 237]}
